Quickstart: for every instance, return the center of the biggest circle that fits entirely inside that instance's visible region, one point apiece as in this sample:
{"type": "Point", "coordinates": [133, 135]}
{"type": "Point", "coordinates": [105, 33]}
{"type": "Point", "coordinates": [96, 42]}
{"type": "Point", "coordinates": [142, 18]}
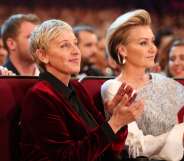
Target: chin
{"type": "Point", "coordinates": [75, 71]}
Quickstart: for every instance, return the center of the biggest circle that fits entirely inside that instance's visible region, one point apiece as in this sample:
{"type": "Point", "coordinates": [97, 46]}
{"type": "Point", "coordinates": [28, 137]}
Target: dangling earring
{"type": "Point", "coordinates": [124, 60]}
{"type": "Point", "coordinates": [121, 60]}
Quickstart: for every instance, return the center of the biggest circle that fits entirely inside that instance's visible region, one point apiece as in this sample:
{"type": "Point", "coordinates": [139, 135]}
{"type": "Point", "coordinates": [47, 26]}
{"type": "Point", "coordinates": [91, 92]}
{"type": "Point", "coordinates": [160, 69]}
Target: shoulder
{"type": "Point", "coordinates": [159, 78]}
{"type": "Point", "coordinates": [166, 83]}
{"type": "Point", "coordinates": [110, 88]}
{"type": "Point", "coordinates": [110, 84]}
{"type": "Point", "coordinates": [42, 89]}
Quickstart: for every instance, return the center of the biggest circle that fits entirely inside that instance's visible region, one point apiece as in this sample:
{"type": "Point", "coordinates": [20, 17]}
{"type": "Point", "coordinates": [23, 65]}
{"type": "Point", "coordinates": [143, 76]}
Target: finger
{"type": "Point", "coordinates": [121, 90]}
{"type": "Point", "coordinates": [118, 97]}
{"type": "Point", "coordinates": [124, 100]}
{"type": "Point", "coordinates": [137, 108]}
{"type": "Point", "coordinates": [132, 99]}
{"type": "Point", "coordinates": [3, 72]}
{"type": "Point", "coordinates": [128, 90]}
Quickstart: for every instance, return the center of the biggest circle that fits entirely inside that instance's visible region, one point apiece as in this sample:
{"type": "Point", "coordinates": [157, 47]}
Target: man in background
{"type": "Point", "coordinates": [16, 31]}
{"type": "Point", "coordinates": [88, 42]}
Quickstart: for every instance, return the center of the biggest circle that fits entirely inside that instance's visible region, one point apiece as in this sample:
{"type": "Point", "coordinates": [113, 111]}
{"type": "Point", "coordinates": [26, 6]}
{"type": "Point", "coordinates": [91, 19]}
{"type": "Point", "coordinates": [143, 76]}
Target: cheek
{"type": "Point", "coordinates": [170, 64]}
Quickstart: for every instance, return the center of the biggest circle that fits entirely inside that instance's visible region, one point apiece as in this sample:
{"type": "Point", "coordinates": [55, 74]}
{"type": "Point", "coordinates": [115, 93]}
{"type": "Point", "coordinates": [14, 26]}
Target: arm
{"type": "Point", "coordinates": [51, 131]}
{"type": "Point", "coordinates": [120, 102]}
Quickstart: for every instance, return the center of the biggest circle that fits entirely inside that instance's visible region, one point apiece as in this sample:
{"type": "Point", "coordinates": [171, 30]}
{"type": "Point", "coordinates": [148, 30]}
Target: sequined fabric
{"type": "Point", "coordinates": [163, 98]}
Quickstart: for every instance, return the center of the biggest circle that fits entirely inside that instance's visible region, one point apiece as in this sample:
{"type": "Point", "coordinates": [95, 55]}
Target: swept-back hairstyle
{"type": "Point", "coordinates": [117, 33]}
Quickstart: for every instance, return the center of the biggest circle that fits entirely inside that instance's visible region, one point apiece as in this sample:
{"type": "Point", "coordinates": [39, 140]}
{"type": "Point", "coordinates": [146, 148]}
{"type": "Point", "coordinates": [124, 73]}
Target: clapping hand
{"type": "Point", "coordinates": [123, 108]}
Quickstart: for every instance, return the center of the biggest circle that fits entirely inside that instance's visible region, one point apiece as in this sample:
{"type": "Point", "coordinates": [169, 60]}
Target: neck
{"type": "Point", "coordinates": [23, 67]}
{"type": "Point", "coordinates": [136, 77]}
{"type": "Point", "coordinates": [65, 78]}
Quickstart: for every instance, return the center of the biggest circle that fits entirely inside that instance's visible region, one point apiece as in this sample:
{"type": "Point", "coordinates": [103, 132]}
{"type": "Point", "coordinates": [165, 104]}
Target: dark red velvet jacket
{"type": "Point", "coordinates": [53, 131]}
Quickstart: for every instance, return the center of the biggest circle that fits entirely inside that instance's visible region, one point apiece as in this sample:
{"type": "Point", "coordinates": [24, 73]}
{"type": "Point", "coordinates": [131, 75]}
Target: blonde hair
{"type": "Point", "coordinates": [117, 33]}
{"type": "Point", "coordinates": [44, 34]}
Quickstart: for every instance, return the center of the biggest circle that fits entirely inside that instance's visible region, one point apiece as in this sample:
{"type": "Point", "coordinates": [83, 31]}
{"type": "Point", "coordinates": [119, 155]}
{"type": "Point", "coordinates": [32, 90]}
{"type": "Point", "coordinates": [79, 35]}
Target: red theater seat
{"type": "Point", "coordinates": [181, 112]}
{"type": "Point", "coordinates": [12, 91]}
{"type": "Point", "coordinates": [92, 84]}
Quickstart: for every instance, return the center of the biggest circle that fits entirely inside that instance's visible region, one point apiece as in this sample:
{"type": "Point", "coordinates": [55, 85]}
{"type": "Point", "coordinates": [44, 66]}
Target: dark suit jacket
{"type": "Point", "coordinates": [53, 131]}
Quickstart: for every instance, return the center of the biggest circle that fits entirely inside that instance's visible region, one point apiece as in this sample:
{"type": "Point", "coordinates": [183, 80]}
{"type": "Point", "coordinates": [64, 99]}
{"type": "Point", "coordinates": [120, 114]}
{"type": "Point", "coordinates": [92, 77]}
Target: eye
{"type": "Point", "coordinates": [182, 57]}
{"type": "Point", "coordinates": [143, 43]}
{"type": "Point", "coordinates": [65, 45]}
{"type": "Point", "coordinates": [172, 58]}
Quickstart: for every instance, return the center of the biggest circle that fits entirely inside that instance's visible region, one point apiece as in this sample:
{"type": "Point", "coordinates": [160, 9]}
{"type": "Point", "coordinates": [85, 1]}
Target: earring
{"type": "Point", "coordinates": [121, 60]}
{"type": "Point", "coordinates": [124, 60]}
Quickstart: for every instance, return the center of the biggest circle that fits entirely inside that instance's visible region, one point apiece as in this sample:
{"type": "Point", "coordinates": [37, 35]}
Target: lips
{"type": "Point", "coordinates": [178, 69]}
{"type": "Point", "coordinates": [151, 57]}
{"type": "Point", "coordinates": [74, 60]}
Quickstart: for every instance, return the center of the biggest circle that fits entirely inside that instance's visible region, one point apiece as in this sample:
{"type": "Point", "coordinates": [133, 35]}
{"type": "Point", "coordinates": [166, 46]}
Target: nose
{"type": "Point", "coordinates": [153, 48]}
{"type": "Point", "coordinates": [177, 61]}
{"type": "Point", "coordinates": [94, 49]}
{"type": "Point", "coordinates": [75, 49]}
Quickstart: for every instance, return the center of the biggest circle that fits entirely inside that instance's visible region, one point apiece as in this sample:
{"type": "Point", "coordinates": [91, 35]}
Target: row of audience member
{"type": "Point", "coordinates": [16, 30]}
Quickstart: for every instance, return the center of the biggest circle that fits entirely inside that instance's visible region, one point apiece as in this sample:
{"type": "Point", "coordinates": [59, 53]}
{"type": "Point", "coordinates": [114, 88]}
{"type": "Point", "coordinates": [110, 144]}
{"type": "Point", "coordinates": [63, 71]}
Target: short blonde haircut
{"type": "Point", "coordinates": [117, 33]}
{"type": "Point", "coordinates": [45, 33]}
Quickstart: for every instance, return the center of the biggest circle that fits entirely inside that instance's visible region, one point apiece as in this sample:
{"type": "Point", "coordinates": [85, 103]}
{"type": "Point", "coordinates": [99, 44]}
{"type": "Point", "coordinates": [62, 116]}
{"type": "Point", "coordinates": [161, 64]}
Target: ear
{"type": "Point", "coordinates": [122, 50]}
{"type": "Point", "coordinates": [11, 43]}
{"type": "Point", "coordinates": [42, 56]}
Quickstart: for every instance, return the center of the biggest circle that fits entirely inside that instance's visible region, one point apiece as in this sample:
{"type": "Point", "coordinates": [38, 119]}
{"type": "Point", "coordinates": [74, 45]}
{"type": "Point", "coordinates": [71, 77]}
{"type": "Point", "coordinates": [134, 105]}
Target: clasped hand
{"type": "Point", "coordinates": [123, 108]}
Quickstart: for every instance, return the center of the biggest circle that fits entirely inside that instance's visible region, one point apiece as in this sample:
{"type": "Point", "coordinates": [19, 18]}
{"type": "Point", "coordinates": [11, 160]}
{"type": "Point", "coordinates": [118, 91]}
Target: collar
{"type": "Point", "coordinates": [57, 84]}
{"type": "Point", "coordinates": [9, 65]}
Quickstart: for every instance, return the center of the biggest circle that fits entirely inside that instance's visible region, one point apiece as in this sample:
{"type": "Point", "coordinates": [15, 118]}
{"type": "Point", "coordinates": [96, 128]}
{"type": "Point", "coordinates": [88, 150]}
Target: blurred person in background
{"type": "Point", "coordinates": [115, 68]}
{"type": "Point", "coordinates": [16, 31]}
{"type": "Point", "coordinates": [163, 40]}
{"type": "Point", "coordinates": [3, 51]}
{"type": "Point", "coordinates": [88, 41]}
{"type": "Point", "coordinates": [104, 62]}
{"type": "Point", "coordinates": [175, 66]}
{"type": "Point", "coordinates": [101, 62]}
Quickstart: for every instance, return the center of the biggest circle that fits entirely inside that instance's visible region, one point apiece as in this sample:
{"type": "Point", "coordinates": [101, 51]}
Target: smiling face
{"type": "Point", "coordinates": [139, 49]}
{"type": "Point", "coordinates": [176, 61]}
{"type": "Point", "coordinates": [63, 55]}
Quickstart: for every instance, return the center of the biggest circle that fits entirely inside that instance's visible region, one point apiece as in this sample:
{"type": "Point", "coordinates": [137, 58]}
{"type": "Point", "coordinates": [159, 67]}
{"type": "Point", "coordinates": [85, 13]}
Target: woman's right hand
{"type": "Point", "coordinates": [125, 94]}
{"type": "Point", "coordinates": [123, 115]}
{"type": "Point", "coordinates": [123, 108]}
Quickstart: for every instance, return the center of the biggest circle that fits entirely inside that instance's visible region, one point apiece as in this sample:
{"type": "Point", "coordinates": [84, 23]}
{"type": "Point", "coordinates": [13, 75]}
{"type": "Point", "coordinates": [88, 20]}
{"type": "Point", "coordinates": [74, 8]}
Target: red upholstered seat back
{"type": "Point", "coordinates": [181, 112]}
{"type": "Point", "coordinates": [12, 91]}
{"type": "Point", "coordinates": [92, 84]}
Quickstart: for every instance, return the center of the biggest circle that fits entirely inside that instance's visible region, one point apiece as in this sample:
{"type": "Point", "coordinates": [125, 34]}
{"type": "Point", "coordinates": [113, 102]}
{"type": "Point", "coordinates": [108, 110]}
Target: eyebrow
{"type": "Point", "coordinates": [61, 41]}
{"type": "Point", "coordinates": [153, 38]}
